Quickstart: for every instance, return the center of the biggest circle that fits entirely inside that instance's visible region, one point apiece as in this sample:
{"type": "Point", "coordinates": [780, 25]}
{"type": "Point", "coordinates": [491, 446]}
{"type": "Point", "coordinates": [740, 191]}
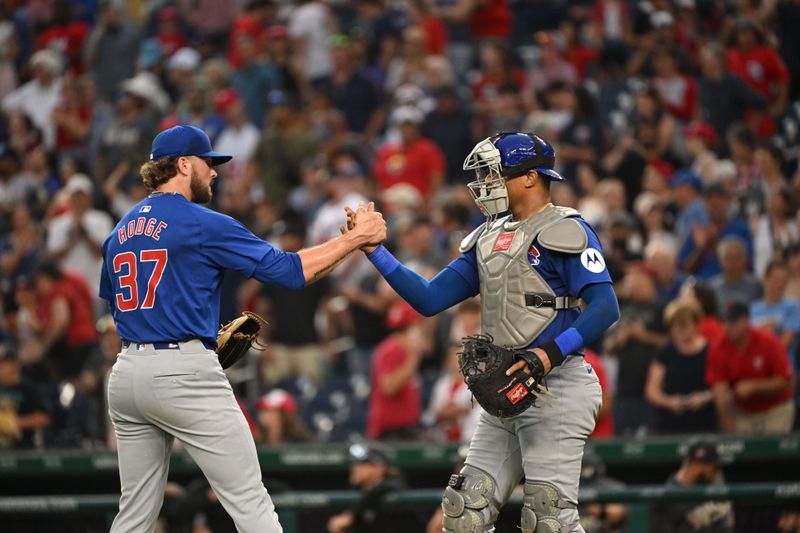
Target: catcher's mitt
{"type": "Point", "coordinates": [237, 336]}
{"type": "Point", "coordinates": [484, 364]}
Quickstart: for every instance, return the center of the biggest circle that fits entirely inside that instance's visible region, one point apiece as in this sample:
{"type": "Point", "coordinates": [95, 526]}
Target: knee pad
{"type": "Point", "coordinates": [541, 506]}
{"type": "Point", "coordinates": [468, 502]}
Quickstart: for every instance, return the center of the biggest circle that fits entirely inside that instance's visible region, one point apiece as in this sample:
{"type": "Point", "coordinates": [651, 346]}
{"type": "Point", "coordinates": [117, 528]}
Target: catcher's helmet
{"type": "Point", "coordinates": [503, 156]}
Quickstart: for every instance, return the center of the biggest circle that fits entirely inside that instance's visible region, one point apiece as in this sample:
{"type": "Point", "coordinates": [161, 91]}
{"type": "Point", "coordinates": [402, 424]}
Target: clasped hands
{"type": "Point", "coordinates": [368, 223]}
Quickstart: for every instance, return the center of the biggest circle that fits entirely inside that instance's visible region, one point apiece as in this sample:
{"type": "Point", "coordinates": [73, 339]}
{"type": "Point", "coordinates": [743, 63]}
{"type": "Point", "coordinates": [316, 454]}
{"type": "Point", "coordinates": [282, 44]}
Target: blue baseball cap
{"type": "Point", "coordinates": [186, 140]}
{"type": "Point", "coordinates": [687, 177]}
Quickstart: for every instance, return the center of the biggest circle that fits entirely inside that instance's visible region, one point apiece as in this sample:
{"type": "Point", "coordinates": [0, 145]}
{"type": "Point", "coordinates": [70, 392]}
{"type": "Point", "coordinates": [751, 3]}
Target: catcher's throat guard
{"type": "Point", "coordinates": [236, 338]}
{"type": "Point", "coordinates": [484, 364]}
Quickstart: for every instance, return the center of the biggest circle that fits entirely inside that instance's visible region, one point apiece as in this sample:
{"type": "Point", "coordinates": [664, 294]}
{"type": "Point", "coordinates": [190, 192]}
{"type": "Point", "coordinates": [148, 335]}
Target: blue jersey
{"type": "Point", "coordinates": [567, 275]}
{"type": "Point", "coordinates": [164, 261]}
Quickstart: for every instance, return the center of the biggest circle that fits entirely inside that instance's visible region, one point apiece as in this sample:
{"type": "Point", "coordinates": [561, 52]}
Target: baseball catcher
{"type": "Point", "coordinates": [532, 263]}
{"type": "Point", "coordinates": [237, 337]}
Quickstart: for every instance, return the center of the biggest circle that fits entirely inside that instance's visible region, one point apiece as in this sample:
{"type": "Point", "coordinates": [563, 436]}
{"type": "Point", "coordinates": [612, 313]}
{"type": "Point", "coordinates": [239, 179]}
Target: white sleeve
{"type": "Point", "coordinates": [58, 233]}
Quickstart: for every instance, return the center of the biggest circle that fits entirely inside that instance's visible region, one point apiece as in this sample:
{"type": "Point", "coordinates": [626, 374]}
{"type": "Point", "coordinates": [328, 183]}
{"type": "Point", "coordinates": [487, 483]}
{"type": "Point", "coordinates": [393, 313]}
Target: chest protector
{"type": "Point", "coordinates": [509, 284]}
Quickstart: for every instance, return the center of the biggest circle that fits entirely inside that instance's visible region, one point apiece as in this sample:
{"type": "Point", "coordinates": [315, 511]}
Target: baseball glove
{"type": "Point", "coordinates": [484, 364]}
{"type": "Point", "coordinates": [237, 337]}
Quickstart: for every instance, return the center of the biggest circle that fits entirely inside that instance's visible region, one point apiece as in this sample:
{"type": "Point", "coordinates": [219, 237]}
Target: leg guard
{"type": "Point", "coordinates": [468, 502]}
{"type": "Point", "coordinates": [540, 508]}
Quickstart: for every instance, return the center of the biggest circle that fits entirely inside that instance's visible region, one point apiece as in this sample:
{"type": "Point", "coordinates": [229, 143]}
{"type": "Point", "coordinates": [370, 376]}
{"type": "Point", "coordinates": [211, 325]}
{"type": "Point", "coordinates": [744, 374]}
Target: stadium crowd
{"type": "Point", "coordinates": [676, 123]}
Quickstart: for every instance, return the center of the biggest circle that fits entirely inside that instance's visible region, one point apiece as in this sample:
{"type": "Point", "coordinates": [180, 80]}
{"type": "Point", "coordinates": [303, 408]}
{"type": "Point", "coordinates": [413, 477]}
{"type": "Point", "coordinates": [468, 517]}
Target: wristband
{"type": "Point", "coordinates": [553, 353]}
{"type": "Point", "coordinates": [383, 260]}
{"type": "Point", "coordinates": [570, 341]}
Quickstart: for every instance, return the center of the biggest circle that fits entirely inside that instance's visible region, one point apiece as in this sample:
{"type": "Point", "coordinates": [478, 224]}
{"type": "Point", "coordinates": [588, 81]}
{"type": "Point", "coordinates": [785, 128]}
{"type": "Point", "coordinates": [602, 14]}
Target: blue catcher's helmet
{"type": "Point", "coordinates": [503, 156]}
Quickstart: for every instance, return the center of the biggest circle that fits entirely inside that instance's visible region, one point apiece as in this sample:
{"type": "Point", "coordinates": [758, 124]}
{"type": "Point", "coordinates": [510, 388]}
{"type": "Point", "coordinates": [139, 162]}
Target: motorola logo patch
{"type": "Point", "coordinates": [592, 260]}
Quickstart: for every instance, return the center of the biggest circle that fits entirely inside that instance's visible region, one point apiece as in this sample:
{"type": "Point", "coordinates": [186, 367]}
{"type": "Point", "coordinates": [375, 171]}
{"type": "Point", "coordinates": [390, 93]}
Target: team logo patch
{"type": "Point", "coordinates": [516, 394]}
{"type": "Point", "coordinates": [504, 241]}
{"type": "Point", "coordinates": [533, 255]}
{"type": "Point", "coordinates": [593, 261]}
{"type": "Point", "coordinates": [145, 208]}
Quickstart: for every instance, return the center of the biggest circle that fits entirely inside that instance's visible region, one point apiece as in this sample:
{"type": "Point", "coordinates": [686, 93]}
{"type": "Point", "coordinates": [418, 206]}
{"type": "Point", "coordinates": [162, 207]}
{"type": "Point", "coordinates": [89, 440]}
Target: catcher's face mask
{"type": "Point", "coordinates": [489, 188]}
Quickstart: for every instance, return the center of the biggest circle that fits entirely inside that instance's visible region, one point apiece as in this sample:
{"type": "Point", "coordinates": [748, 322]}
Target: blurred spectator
{"type": "Point", "coordinates": [284, 144]}
{"type": "Point", "coordinates": [371, 473]}
{"type": "Point", "coordinates": [127, 136]}
{"type": "Point", "coordinates": [660, 259]}
{"type": "Point", "coordinates": [700, 140]}
{"type": "Point", "coordinates": [111, 50]}
{"type": "Point", "coordinates": [676, 379]}
{"type": "Point", "coordinates": [724, 97]}
{"type": "Point", "coordinates": [581, 139]}
{"type": "Point", "coordinates": [344, 187]}
{"type": "Point", "coordinates": [415, 244]}
{"type": "Point", "coordinates": [552, 66]}
{"type": "Point", "coordinates": [72, 117]}
{"type": "Point", "coordinates": [353, 93]}
{"type": "Point", "coordinates": [451, 402]}
{"type": "Point", "coordinates": [632, 341]}
{"type": "Point", "coordinates": [449, 126]}
{"type": "Point", "coordinates": [768, 160]}
{"type": "Point", "coordinates": [604, 424]}
{"type": "Point", "coordinates": [654, 219]}
{"type": "Point", "coordinates": [677, 90]}
{"type": "Point", "coordinates": [63, 319]}
{"type": "Point", "coordinates": [75, 237]}
{"type": "Point", "coordinates": [394, 403]}
{"type": "Point", "coordinates": [704, 297]}
{"type": "Point", "coordinates": [20, 248]}
{"type": "Point", "coordinates": [789, 521]}
{"type": "Point", "coordinates": [278, 420]}
{"type": "Point", "coordinates": [294, 346]}
{"type": "Point", "coordinates": [169, 34]}
{"type": "Point", "coordinates": [699, 253]}
{"type": "Point", "coordinates": [38, 97]}
{"type": "Point", "coordinates": [409, 66]}
{"type": "Point", "coordinates": [239, 136]}
{"type": "Point", "coordinates": [497, 68]}
{"type": "Point", "coordinates": [600, 517]}
{"type": "Point", "coordinates": [776, 230]}
{"type": "Point", "coordinates": [311, 26]}
{"type": "Point", "coordinates": [751, 366]}
{"type": "Point", "coordinates": [415, 160]}
{"type": "Point", "coordinates": [701, 466]}
{"type": "Point", "coordinates": [734, 283]}
{"type": "Point", "coordinates": [775, 311]}
{"type": "Point", "coordinates": [687, 189]}
{"type": "Point", "coordinates": [22, 413]}
{"type": "Point", "coordinates": [253, 79]}
{"type": "Point", "coordinates": [255, 17]}
{"type": "Point", "coordinates": [762, 68]}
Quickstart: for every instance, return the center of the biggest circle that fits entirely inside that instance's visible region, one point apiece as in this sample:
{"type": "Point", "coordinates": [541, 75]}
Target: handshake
{"type": "Point", "coordinates": [366, 225]}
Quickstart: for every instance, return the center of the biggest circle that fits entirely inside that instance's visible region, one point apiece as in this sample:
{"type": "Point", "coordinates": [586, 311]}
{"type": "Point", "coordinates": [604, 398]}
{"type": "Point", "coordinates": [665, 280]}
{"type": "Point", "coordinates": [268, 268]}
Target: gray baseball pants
{"type": "Point", "coordinates": [155, 396]}
{"type": "Point", "coordinates": [546, 441]}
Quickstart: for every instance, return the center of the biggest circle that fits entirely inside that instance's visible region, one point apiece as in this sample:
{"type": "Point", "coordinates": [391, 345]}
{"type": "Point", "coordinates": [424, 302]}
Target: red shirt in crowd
{"type": "Point", "coordinates": [417, 163]}
{"type": "Point", "coordinates": [604, 427]}
{"type": "Point", "coordinates": [763, 356]}
{"type": "Point", "coordinates": [74, 289]}
{"type": "Point", "coordinates": [401, 410]}
{"type": "Point", "coordinates": [711, 329]}
{"type": "Point", "coordinates": [491, 18]}
{"type": "Point", "coordinates": [679, 93]}
{"type": "Point", "coordinates": [67, 39]}
{"type": "Point", "coordinates": [436, 32]}
{"type": "Point", "coordinates": [762, 68]}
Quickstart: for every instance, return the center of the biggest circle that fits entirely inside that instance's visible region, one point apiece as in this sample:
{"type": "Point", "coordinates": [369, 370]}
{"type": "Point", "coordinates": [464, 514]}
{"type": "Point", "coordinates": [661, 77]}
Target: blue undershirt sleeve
{"type": "Point", "coordinates": [601, 311]}
{"type": "Point", "coordinates": [456, 282]}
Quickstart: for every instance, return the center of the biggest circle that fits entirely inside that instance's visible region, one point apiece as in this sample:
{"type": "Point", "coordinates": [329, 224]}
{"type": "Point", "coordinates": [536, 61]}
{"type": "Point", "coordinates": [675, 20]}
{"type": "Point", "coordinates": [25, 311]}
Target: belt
{"type": "Point", "coordinates": [548, 300]}
{"type": "Point", "coordinates": [174, 345]}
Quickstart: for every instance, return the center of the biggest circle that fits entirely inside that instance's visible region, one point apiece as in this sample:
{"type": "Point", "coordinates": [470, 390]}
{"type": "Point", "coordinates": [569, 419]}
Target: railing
{"type": "Point", "coordinates": [331, 457]}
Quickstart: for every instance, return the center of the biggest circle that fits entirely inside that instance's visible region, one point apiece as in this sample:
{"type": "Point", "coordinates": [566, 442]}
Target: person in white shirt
{"type": "Point", "coordinates": [75, 237]}
{"type": "Point", "coordinates": [38, 97]}
{"type": "Point", "coordinates": [239, 137]}
{"type": "Point", "coordinates": [311, 27]}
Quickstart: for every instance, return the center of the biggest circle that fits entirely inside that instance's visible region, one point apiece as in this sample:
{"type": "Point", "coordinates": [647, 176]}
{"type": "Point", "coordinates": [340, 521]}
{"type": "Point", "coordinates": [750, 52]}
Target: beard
{"type": "Point", "coordinates": [201, 193]}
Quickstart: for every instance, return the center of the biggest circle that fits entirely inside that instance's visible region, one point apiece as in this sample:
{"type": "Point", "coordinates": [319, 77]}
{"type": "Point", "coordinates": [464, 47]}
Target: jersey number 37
{"type": "Point", "coordinates": [127, 262]}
